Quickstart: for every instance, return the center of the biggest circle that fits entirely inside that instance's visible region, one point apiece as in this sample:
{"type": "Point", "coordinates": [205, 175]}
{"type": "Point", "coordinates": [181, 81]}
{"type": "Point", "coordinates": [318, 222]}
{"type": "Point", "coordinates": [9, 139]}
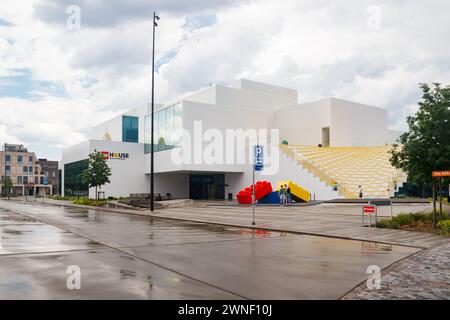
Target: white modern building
{"type": "Point", "coordinates": [197, 150]}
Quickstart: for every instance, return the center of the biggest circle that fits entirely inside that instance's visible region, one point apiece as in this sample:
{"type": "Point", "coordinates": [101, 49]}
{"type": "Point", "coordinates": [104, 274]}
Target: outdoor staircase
{"type": "Point", "coordinates": [350, 167]}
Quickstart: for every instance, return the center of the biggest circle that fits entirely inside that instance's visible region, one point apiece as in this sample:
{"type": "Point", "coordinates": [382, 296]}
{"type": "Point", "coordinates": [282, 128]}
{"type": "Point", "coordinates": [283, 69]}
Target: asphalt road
{"type": "Point", "coordinates": [131, 257]}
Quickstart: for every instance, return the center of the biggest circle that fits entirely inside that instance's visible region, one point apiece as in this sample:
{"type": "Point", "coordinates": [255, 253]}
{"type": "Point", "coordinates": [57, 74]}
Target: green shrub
{"type": "Point", "coordinates": [404, 219]}
{"type": "Point", "coordinates": [88, 202]}
{"type": "Point", "coordinates": [388, 224]}
{"type": "Point", "coordinates": [61, 198]}
{"type": "Point", "coordinates": [384, 223]}
{"type": "Point", "coordinates": [443, 227]}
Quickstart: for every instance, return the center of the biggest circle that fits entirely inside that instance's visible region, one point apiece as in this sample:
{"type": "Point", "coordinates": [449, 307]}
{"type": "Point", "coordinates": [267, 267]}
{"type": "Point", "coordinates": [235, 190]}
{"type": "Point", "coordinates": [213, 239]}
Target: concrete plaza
{"type": "Point", "coordinates": [124, 256]}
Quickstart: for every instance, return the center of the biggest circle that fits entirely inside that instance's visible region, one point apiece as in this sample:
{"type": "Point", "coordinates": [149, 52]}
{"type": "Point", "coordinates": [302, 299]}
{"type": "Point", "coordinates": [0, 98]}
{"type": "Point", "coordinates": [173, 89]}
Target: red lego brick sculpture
{"type": "Point", "coordinates": [262, 188]}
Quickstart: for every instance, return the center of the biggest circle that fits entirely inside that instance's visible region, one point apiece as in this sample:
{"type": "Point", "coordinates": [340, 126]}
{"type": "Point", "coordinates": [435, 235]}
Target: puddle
{"type": "Point", "coordinates": [16, 232]}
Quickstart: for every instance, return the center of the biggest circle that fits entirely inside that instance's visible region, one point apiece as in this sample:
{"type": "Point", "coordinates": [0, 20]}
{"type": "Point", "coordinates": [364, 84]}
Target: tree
{"type": "Point", "coordinates": [425, 147]}
{"type": "Point", "coordinates": [8, 186]}
{"type": "Point", "coordinates": [97, 174]}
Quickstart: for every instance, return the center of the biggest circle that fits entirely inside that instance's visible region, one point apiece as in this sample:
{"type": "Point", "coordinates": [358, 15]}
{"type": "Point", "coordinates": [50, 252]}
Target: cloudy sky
{"type": "Point", "coordinates": [58, 80]}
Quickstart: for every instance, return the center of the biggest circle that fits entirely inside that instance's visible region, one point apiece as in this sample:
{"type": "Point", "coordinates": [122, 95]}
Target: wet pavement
{"type": "Point", "coordinates": [132, 257]}
{"type": "Point", "coordinates": [332, 220]}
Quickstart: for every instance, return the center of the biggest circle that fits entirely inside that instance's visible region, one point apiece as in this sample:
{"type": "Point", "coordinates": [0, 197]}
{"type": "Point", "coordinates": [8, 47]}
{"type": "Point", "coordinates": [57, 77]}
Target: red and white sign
{"type": "Point", "coordinates": [105, 154]}
{"type": "Point", "coordinates": [115, 155]}
{"type": "Point", "coordinates": [369, 209]}
{"type": "Point", "coordinates": [437, 174]}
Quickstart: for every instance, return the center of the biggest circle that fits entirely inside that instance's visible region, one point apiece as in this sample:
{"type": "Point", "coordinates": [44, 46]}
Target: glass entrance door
{"type": "Point", "coordinates": [207, 187]}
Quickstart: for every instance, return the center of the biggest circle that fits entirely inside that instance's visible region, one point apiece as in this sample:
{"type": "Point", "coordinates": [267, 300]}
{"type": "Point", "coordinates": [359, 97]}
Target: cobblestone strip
{"type": "Point", "coordinates": [422, 276]}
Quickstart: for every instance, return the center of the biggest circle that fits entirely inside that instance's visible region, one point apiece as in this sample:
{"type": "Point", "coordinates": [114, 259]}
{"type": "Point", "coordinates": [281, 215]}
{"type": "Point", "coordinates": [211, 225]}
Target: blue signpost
{"type": "Point", "coordinates": [259, 157]}
{"type": "Point", "coordinates": [258, 165]}
{"type": "Point", "coordinates": [45, 181]}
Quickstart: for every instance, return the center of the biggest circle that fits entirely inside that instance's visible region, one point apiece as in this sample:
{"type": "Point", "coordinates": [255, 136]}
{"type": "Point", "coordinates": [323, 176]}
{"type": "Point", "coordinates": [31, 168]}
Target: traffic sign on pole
{"type": "Point", "coordinates": [369, 209]}
{"type": "Point", "coordinates": [439, 174]}
{"type": "Point", "coordinates": [258, 157]}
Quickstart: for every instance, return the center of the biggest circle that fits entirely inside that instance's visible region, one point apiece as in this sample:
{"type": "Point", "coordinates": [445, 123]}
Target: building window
{"type": "Point", "coordinates": [8, 170]}
{"type": "Point", "coordinates": [25, 180]}
{"type": "Point", "coordinates": [168, 124]}
{"type": "Point", "coordinates": [8, 159]}
{"type": "Point", "coordinates": [59, 180]}
{"type": "Point", "coordinates": [36, 170]}
{"type": "Point", "coordinates": [36, 180]}
{"type": "Point", "coordinates": [30, 159]}
{"type": "Point", "coordinates": [130, 129]}
{"type": "Point", "coordinates": [19, 180]}
{"type": "Point", "coordinates": [30, 170]}
{"type": "Point", "coordinates": [19, 160]}
{"type": "Point", "coordinates": [25, 170]}
{"type": "Point", "coordinates": [161, 138]}
{"type": "Point", "coordinates": [73, 184]}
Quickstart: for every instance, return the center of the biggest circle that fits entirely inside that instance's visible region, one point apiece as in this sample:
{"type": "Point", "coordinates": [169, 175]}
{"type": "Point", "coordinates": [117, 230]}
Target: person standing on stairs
{"type": "Point", "coordinates": [282, 195]}
{"type": "Point", "coordinates": [288, 195]}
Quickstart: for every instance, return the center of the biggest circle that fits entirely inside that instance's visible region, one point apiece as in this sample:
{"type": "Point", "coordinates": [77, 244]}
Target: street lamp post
{"type": "Point", "coordinates": [152, 151]}
{"type": "Point", "coordinates": [5, 170]}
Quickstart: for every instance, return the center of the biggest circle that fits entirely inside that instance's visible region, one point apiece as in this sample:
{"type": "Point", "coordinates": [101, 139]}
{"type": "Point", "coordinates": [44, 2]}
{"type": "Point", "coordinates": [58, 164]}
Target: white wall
{"type": "Point", "coordinates": [212, 117]}
{"type": "Point", "coordinates": [354, 124]}
{"type": "Point", "coordinates": [127, 176]}
{"type": "Point", "coordinates": [176, 183]}
{"type": "Point", "coordinates": [302, 124]}
{"type": "Point", "coordinates": [114, 125]}
{"type": "Point", "coordinates": [205, 95]}
{"type": "Point", "coordinates": [248, 99]}
{"type": "Point", "coordinates": [350, 123]}
{"type": "Point", "coordinates": [245, 84]}
{"type": "Point", "coordinates": [288, 170]}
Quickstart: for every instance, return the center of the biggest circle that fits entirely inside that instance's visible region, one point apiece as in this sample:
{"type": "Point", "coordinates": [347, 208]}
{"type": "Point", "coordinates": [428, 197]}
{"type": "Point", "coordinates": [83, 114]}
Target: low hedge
{"type": "Point", "coordinates": [88, 202]}
{"type": "Point", "coordinates": [410, 218]}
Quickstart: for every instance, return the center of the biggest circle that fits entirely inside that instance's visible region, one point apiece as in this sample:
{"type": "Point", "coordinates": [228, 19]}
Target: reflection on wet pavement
{"type": "Point", "coordinates": [19, 234]}
{"type": "Point", "coordinates": [104, 274]}
{"type": "Point", "coordinates": [133, 257]}
{"type": "Point", "coordinates": [129, 231]}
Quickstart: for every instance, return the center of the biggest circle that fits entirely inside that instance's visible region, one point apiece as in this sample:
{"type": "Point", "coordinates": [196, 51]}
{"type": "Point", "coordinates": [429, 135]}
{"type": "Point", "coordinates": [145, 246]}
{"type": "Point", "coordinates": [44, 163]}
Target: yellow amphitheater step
{"type": "Point", "coordinates": [350, 167]}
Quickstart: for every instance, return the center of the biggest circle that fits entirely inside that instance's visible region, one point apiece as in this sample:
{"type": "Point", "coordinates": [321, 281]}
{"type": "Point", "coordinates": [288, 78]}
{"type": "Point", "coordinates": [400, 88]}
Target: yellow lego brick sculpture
{"type": "Point", "coordinates": [298, 193]}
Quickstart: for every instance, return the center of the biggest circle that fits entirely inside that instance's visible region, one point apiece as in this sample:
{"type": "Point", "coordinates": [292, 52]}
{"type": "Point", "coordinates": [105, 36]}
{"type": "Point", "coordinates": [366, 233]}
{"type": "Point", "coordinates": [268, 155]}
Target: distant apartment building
{"type": "Point", "coordinates": [23, 169]}
{"type": "Point", "coordinates": [50, 171]}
